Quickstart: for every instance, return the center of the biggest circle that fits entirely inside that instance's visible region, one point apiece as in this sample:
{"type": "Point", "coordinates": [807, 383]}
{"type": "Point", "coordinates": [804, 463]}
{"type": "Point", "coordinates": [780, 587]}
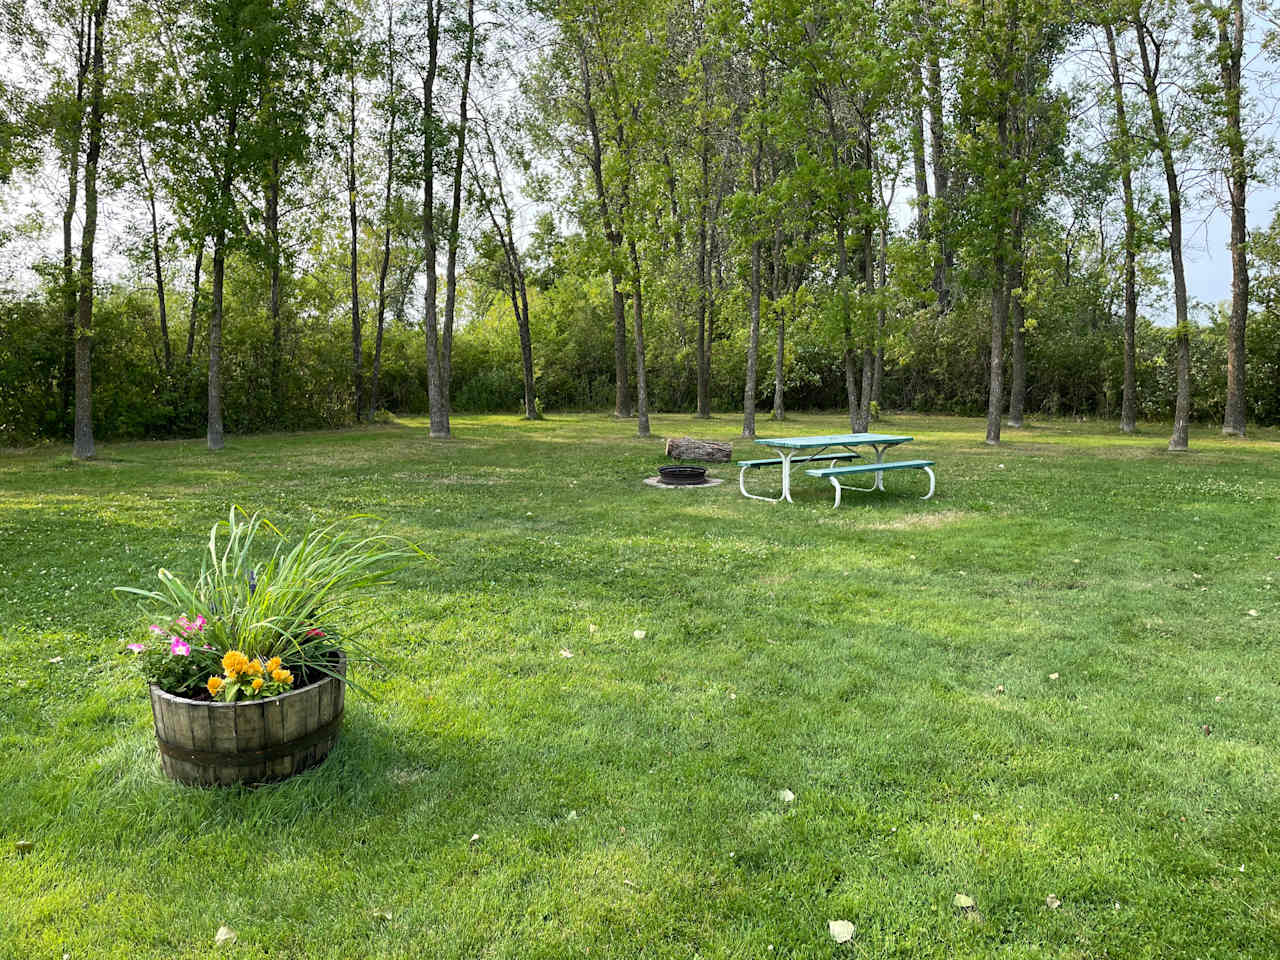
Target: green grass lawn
{"type": "Point", "coordinates": [626, 798]}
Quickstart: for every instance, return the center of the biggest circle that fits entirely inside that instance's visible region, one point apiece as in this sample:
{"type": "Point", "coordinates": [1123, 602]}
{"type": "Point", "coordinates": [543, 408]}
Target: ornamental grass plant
{"type": "Point", "coordinates": [260, 598]}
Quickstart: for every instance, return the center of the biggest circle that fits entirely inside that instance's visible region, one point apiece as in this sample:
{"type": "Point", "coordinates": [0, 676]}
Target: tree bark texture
{"type": "Point", "coordinates": [1129, 399]}
{"type": "Point", "coordinates": [214, 433]}
{"type": "Point", "coordinates": [1230, 55]}
{"type": "Point", "coordinates": [637, 314]}
{"type": "Point", "coordinates": [357, 331]}
{"type": "Point", "coordinates": [156, 264]}
{"type": "Point", "coordinates": [622, 395]}
{"type": "Point", "coordinates": [83, 447]}
{"type": "Point", "coordinates": [438, 417]}
{"type": "Point", "coordinates": [70, 285]}
{"type": "Point", "coordinates": [455, 214]}
{"type": "Point", "coordinates": [1182, 404]}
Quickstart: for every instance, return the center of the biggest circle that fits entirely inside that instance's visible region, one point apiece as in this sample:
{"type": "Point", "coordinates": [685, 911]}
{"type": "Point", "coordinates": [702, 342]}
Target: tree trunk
{"type": "Point", "coordinates": [195, 300]}
{"type": "Point", "coordinates": [439, 419]}
{"type": "Point", "coordinates": [917, 156]}
{"type": "Point", "coordinates": [526, 339]}
{"type": "Point", "coordinates": [455, 214]}
{"type": "Point", "coordinates": [687, 448]}
{"type": "Point", "coordinates": [868, 375]}
{"type": "Point", "coordinates": [941, 178]}
{"type": "Point", "coordinates": [272, 215]}
{"type": "Point", "coordinates": [863, 420]}
{"type": "Point", "coordinates": [753, 337]}
{"type": "Point", "coordinates": [1230, 54]}
{"type": "Point", "coordinates": [214, 435]}
{"type": "Point", "coordinates": [83, 447]}
{"type": "Point", "coordinates": [1182, 405]}
{"type": "Point", "coordinates": [622, 398]}
{"type": "Point", "coordinates": [1017, 310]}
{"type": "Point", "coordinates": [637, 312]}
{"type": "Point", "coordinates": [753, 344]}
{"type": "Point", "coordinates": [1129, 401]}
{"type": "Point", "coordinates": [385, 266]}
{"type": "Point", "coordinates": [704, 285]}
{"type": "Point", "coordinates": [1018, 366]}
{"type": "Point", "coordinates": [155, 260]}
{"type": "Point", "coordinates": [779, 355]}
{"type": "Point", "coordinates": [357, 332]}
{"type": "Point", "coordinates": [851, 383]}
{"type": "Point", "coordinates": [214, 432]}
{"type": "Point", "coordinates": [70, 285]}
{"type": "Point", "coordinates": [999, 319]}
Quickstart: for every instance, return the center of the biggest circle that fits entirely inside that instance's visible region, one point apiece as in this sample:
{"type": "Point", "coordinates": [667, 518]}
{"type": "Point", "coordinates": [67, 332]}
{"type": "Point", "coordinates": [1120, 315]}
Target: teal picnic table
{"type": "Point", "coordinates": [834, 447]}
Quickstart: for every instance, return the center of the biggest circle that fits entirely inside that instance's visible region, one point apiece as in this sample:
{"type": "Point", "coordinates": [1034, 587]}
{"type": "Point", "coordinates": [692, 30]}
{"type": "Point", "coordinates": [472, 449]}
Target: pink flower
{"type": "Point", "coordinates": [155, 629]}
{"type": "Point", "coordinates": [315, 633]}
{"type": "Point", "coordinates": [184, 624]}
{"type": "Point", "coordinates": [179, 647]}
{"type": "Point", "coordinates": [200, 622]}
{"type": "Point", "coordinates": [137, 647]}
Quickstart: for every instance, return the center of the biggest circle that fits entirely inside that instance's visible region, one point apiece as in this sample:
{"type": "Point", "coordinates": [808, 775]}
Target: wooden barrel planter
{"type": "Point", "coordinates": [250, 741]}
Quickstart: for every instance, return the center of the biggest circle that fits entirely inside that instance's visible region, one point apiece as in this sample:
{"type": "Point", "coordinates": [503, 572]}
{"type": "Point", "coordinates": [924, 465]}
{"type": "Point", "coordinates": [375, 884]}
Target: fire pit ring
{"type": "Point", "coordinates": [678, 475]}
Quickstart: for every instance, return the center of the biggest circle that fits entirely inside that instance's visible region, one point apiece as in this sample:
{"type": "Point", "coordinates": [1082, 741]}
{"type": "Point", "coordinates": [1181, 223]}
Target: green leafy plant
{"type": "Point", "coordinates": [264, 597]}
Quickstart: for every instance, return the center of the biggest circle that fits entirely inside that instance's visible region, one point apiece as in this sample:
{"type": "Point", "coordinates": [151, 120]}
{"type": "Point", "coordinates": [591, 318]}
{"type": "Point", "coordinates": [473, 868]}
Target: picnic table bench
{"type": "Point", "coordinates": [835, 473]}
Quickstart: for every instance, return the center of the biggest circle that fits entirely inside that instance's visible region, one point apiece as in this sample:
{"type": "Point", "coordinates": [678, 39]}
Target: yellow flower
{"type": "Point", "coordinates": [214, 685]}
{"type": "Point", "coordinates": [255, 668]}
{"type": "Point", "coordinates": [278, 675]}
{"type": "Point", "coordinates": [273, 664]}
{"type": "Point", "coordinates": [257, 684]}
{"type": "Point", "coordinates": [234, 663]}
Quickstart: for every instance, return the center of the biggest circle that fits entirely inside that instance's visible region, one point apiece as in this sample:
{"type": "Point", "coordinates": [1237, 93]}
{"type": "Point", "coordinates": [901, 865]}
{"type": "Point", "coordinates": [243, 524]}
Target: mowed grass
{"type": "Point", "coordinates": [626, 798]}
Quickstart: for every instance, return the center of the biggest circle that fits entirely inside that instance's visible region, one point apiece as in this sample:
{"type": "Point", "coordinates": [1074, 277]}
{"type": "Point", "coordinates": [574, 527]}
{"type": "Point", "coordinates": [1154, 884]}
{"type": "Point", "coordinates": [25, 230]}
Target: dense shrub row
{"type": "Point", "coordinates": [937, 366]}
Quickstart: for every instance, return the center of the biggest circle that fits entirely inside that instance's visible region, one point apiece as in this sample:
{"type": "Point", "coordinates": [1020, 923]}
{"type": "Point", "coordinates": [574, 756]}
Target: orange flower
{"type": "Point", "coordinates": [257, 684]}
{"type": "Point", "coordinates": [214, 685]}
{"type": "Point", "coordinates": [273, 664]}
{"type": "Point", "coordinates": [278, 675]}
{"type": "Point", "coordinates": [255, 668]}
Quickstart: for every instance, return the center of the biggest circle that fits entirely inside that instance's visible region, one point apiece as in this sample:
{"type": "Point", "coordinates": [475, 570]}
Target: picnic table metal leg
{"type": "Point", "coordinates": [786, 475]}
{"type": "Point", "coordinates": [836, 483]}
{"type": "Point", "coordinates": [879, 484]}
{"type": "Point", "coordinates": [742, 485]}
{"type": "Point", "coordinates": [931, 483]}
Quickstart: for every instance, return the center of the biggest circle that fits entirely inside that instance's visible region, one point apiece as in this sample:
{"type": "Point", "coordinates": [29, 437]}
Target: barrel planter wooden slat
{"type": "Point", "coordinates": [251, 741]}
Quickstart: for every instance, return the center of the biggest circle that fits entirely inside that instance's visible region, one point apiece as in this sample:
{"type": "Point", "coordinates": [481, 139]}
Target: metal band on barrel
{"type": "Point", "coordinates": [249, 758]}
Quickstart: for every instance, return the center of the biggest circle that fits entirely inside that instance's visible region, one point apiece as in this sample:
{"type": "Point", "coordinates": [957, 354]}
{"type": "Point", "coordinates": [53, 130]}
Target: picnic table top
{"type": "Point", "coordinates": [833, 440]}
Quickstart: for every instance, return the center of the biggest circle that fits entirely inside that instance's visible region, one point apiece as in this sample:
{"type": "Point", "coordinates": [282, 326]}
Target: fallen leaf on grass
{"type": "Point", "coordinates": [638, 634]}
{"type": "Point", "coordinates": [59, 659]}
{"type": "Point", "coordinates": [1052, 902]}
{"type": "Point", "coordinates": [1252, 613]}
{"type": "Point", "coordinates": [224, 936]}
{"type": "Point", "coordinates": [475, 838]}
{"type": "Point", "coordinates": [566, 653]}
{"type": "Point", "coordinates": [24, 847]}
{"type": "Point", "coordinates": [382, 914]}
{"type": "Point", "coordinates": [841, 930]}
{"type": "Point", "coordinates": [963, 901]}
{"type": "Point", "coordinates": [1000, 688]}
{"type": "Point", "coordinates": [786, 796]}
{"type": "Point", "coordinates": [1053, 676]}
